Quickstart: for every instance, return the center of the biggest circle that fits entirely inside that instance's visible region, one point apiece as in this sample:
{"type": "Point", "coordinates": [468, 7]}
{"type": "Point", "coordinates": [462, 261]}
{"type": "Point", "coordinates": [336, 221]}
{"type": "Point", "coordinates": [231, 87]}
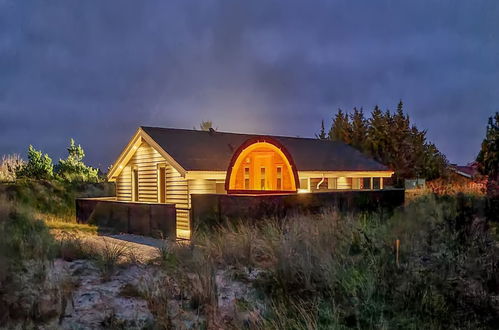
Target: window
{"type": "Point", "coordinates": [262, 178]}
{"type": "Point", "coordinates": [332, 183]}
{"type": "Point", "coordinates": [135, 185]}
{"type": "Point", "coordinates": [246, 177]}
{"type": "Point", "coordinates": [279, 178]}
{"type": "Point", "coordinates": [161, 184]}
{"type": "Point", "coordinates": [366, 183]}
{"type": "Point", "coordinates": [376, 183]}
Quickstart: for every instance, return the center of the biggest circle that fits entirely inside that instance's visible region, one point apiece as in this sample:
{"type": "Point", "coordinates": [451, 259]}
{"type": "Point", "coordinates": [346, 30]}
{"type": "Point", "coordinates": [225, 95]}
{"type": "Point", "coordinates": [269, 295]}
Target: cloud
{"type": "Point", "coordinates": [96, 70]}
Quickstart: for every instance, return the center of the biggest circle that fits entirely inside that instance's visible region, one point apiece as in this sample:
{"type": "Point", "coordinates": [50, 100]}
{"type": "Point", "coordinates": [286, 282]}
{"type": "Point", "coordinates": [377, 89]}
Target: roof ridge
{"type": "Point", "coordinates": [236, 133]}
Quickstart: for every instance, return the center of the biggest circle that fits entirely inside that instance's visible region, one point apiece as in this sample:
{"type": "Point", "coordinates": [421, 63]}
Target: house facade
{"type": "Point", "coordinates": [164, 165]}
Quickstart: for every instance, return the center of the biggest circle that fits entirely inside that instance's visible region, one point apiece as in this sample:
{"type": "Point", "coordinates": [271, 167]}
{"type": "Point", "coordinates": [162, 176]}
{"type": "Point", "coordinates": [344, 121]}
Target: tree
{"type": "Point", "coordinates": [358, 129]}
{"type": "Point", "coordinates": [206, 125]}
{"type": "Point", "coordinates": [39, 166]}
{"type": "Point", "coordinates": [73, 169]}
{"type": "Point", "coordinates": [390, 139]}
{"type": "Point", "coordinates": [488, 157]}
{"type": "Point", "coordinates": [322, 134]}
{"type": "Point", "coordinates": [377, 134]}
{"type": "Point", "coordinates": [341, 129]}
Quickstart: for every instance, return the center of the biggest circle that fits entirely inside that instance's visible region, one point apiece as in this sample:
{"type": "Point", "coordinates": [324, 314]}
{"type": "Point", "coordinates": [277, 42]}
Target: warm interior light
{"type": "Point", "coordinates": [255, 168]}
{"type": "Point", "coordinates": [183, 233]}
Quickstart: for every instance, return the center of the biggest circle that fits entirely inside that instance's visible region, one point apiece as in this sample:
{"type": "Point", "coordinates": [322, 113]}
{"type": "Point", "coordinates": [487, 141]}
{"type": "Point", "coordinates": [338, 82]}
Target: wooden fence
{"type": "Point", "coordinates": [156, 220]}
{"type": "Point", "coordinates": [208, 210]}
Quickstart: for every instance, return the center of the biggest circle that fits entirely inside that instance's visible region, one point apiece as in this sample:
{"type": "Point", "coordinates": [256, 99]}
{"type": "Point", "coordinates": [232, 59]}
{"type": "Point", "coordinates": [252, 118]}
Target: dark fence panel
{"type": "Point", "coordinates": [211, 209]}
{"type": "Point", "coordinates": [156, 220]}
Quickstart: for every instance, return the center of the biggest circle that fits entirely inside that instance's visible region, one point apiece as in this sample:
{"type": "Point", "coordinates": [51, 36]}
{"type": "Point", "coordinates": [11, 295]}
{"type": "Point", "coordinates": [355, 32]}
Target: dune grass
{"type": "Point", "coordinates": [71, 227]}
{"type": "Point", "coordinates": [336, 271]}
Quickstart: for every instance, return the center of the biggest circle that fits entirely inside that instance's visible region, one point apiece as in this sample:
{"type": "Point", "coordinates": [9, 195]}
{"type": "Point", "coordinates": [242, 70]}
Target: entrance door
{"type": "Point", "coordinates": [262, 171]}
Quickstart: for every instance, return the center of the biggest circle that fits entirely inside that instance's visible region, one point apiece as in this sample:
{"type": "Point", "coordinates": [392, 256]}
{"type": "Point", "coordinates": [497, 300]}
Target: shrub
{"type": "Point", "coordinates": [39, 166]}
{"type": "Point", "coordinates": [109, 256]}
{"type": "Point", "coordinates": [339, 271]}
{"type": "Point", "coordinates": [9, 165]}
{"type": "Point", "coordinates": [73, 169]}
{"type": "Point", "coordinates": [25, 247]}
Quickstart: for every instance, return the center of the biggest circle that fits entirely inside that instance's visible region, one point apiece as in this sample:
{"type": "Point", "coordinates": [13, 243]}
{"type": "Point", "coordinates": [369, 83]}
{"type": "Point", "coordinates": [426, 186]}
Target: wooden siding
{"type": "Point", "coordinates": [344, 183]}
{"type": "Point", "coordinates": [177, 192]}
{"type": "Point", "coordinates": [146, 159]}
{"type": "Point", "coordinates": [124, 185]}
{"type": "Point", "coordinates": [200, 186]}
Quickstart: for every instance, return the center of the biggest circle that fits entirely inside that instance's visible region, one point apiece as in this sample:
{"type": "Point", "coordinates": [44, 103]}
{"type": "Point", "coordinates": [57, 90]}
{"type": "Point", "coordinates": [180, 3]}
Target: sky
{"type": "Point", "coordinates": [96, 70]}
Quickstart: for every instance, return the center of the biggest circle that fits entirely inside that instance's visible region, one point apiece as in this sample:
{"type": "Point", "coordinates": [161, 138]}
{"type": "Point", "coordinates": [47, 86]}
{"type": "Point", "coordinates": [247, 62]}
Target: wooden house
{"type": "Point", "coordinates": [165, 165]}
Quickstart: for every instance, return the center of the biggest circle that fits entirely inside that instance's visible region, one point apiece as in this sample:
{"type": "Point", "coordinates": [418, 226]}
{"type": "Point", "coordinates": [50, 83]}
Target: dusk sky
{"type": "Point", "coordinates": [96, 70]}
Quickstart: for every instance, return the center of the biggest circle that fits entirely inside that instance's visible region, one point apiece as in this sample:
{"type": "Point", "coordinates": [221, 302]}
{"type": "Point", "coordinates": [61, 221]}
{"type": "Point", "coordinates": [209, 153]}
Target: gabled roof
{"type": "Point", "coordinates": [212, 150]}
{"type": "Point", "coordinates": [468, 171]}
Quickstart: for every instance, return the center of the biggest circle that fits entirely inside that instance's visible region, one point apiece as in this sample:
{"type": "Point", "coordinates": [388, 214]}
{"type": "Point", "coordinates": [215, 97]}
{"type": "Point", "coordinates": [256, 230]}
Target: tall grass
{"type": "Point", "coordinates": [25, 248]}
{"type": "Point", "coordinates": [341, 271]}
{"type": "Point", "coordinates": [8, 167]}
{"type": "Point", "coordinates": [51, 198]}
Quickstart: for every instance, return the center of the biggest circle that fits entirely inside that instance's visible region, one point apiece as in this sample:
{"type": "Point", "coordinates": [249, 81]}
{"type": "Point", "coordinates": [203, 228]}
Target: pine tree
{"type": "Point", "coordinates": [376, 135]}
{"type": "Point", "coordinates": [358, 130]}
{"type": "Point", "coordinates": [322, 134]}
{"type": "Point", "coordinates": [73, 169]}
{"type": "Point", "coordinates": [341, 129]}
{"type": "Point", "coordinates": [390, 139]}
{"type": "Point", "coordinates": [488, 157]}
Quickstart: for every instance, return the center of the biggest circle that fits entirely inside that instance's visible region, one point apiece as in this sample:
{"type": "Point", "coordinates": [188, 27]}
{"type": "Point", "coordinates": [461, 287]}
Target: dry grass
{"type": "Point", "coordinates": [340, 271]}
{"type": "Point", "coordinates": [109, 256]}
{"type": "Point", "coordinates": [8, 167]}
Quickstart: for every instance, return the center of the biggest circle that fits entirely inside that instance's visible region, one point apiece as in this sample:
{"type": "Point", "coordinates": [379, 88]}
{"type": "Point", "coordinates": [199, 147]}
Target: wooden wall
{"type": "Point", "coordinates": [146, 159]}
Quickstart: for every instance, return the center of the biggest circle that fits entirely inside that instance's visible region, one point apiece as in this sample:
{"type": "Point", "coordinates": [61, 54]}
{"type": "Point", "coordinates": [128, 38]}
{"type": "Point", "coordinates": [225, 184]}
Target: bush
{"type": "Point", "coordinates": [9, 165]}
{"type": "Point", "coordinates": [73, 169]}
{"type": "Point", "coordinates": [39, 166]}
{"type": "Point", "coordinates": [52, 198]}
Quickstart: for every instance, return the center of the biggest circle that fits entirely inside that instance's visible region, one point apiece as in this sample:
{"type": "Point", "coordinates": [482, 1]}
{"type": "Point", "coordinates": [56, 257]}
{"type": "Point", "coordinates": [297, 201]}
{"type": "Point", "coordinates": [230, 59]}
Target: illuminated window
{"type": "Point", "coordinates": [376, 183]}
{"type": "Point", "coordinates": [161, 183]}
{"type": "Point", "coordinates": [135, 185]}
{"type": "Point", "coordinates": [247, 178]}
{"type": "Point", "coordinates": [279, 178]}
{"type": "Point", "coordinates": [263, 178]}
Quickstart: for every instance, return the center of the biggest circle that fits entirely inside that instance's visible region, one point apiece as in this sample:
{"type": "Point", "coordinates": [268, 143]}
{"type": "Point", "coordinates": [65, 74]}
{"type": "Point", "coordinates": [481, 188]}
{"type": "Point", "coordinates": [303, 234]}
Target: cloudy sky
{"type": "Point", "coordinates": [96, 70]}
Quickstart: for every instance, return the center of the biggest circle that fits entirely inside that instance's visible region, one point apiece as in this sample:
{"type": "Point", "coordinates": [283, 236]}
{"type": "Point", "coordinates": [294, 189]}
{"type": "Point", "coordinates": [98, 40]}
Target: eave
{"type": "Point", "coordinates": [129, 150]}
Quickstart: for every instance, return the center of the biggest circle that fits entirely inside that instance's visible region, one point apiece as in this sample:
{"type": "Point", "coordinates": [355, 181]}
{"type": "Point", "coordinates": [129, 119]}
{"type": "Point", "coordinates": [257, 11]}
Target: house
{"type": "Point", "coordinates": [165, 165]}
{"type": "Point", "coordinates": [469, 171]}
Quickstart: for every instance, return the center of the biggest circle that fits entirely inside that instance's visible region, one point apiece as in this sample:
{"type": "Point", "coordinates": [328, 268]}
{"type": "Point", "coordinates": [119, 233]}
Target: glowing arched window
{"type": "Point", "coordinates": [261, 166]}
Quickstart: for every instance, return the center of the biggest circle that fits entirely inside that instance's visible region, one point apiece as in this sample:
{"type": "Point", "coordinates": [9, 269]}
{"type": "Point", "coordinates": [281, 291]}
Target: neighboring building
{"type": "Point", "coordinates": [165, 165]}
{"type": "Point", "coordinates": [469, 171]}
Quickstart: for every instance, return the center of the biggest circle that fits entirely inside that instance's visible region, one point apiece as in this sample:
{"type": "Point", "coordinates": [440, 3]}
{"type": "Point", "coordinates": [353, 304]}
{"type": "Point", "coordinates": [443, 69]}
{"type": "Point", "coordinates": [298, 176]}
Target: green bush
{"type": "Point", "coordinates": [72, 169]}
{"type": "Point", "coordinates": [39, 166]}
{"type": "Point", "coordinates": [52, 198]}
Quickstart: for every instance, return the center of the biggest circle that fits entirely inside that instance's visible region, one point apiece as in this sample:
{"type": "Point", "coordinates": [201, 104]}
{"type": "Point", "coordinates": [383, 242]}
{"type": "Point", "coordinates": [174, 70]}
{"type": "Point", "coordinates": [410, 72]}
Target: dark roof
{"type": "Point", "coordinates": [213, 150]}
{"type": "Point", "coordinates": [468, 171]}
